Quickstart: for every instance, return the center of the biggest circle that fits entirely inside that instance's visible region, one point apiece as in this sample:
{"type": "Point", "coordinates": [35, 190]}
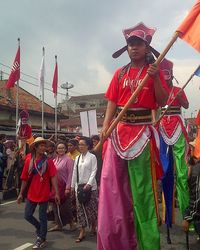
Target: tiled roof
{"type": "Point", "coordinates": [26, 100]}
{"type": "Point", "coordinates": [87, 97]}
{"type": "Point", "coordinates": [99, 111]}
{"type": "Point", "coordinates": [74, 122]}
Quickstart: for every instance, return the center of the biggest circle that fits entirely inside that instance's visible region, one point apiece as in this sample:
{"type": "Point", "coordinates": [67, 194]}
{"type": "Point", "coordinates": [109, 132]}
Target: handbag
{"type": "Point", "coordinates": [83, 196]}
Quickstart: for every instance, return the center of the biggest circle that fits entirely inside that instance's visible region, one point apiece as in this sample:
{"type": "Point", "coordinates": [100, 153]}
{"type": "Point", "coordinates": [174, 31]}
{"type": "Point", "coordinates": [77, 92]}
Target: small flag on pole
{"type": "Point", "coordinates": [15, 71]}
{"type": "Point", "coordinates": [197, 71]}
{"type": "Point", "coordinates": [55, 78]}
{"type": "Point", "coordinates": [42, 73]}
{"type": "Point", "coordinates": [189, 30]}
{"type": "Point", "coordinates": [197, 121]}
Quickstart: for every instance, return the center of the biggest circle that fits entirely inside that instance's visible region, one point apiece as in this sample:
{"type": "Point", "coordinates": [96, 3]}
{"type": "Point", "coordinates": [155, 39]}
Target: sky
{"type": "Point", "coordinates": [84, 34]}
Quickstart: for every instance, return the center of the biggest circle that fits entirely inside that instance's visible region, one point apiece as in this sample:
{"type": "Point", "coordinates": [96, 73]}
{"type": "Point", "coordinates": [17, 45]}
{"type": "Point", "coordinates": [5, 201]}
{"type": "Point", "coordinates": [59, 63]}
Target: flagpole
{"type": "Point", "coordinates": [184, 86]}
{"type": "Point", "coordinates": [43, 54]}
{"type": "Point", "coordinates": [17, 97]}
{"type": "Point", "coordinates": [56, 111]}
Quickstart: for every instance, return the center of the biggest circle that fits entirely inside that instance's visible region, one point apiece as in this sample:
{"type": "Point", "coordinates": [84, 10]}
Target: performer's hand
{"type": "Point", "coordinates": [103, 133]}
{"type": "Point", "coordinates": [153, 70]}
{"type": "Point", "coordinates": [67, 192]}
{"type": "Point", "coordinates": [57, 199]}
{"type": "Point", "coordinates": [19, 198]}
{"type": "Point", "coordinates": [72, 192]}
{"type": "Point", "coordinates": [185, 225]}
{"type": "Point", "coordinates": [87, 187]}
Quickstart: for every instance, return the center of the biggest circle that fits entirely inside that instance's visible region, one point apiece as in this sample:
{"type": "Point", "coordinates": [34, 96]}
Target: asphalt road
{"type": "Point", "coordinates": [17, 234]}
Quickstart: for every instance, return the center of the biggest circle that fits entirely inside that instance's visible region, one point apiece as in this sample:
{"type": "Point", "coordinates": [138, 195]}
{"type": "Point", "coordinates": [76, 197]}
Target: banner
{"type": "Point", "coordinates": [89, 123]}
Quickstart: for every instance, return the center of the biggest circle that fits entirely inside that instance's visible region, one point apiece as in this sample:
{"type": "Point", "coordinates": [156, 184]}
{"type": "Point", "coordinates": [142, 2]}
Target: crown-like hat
{"type": "Point", "coordinates": [141, 31]}
{"type": "Point", "coordinates": [24, 114]}
{"type": "Point", "coordinates": [167, 68]}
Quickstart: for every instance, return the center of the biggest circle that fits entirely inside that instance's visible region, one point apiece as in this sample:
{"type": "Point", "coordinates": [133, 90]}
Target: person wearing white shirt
{"type": "Point", "coordinates": [87, 168]}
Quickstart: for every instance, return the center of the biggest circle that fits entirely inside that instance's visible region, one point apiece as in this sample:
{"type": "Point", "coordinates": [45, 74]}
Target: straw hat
{"type": "Point", "coordinates": [9, 143]}
{"type": "Point", "coordinates": [37, 141]}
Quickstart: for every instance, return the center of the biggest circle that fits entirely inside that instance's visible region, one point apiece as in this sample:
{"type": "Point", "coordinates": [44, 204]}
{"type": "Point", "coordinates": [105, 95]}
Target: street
{"type": "Point", "coordinates": [17, 234]}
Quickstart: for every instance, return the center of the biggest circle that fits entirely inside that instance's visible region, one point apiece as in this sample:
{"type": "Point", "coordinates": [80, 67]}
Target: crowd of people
{"type": "Point", "coordinates": [49, 179]}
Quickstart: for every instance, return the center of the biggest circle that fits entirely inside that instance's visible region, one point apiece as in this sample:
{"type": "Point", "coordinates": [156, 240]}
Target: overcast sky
{"type": "Point", "coordinates": [84, 34]}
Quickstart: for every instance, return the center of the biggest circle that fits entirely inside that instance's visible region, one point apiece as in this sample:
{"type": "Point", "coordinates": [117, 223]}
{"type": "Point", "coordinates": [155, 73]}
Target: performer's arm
{"type": "Point", "coordinates": [110, 112]}
{"type": "Point", "coordinates": [54, 183]}
{"type": "Point", "coordinates": [183, 101]}
{"type": "Point", "coordinates": [160, 93]}
{"type": "Point", "coordinates": [20, 196]}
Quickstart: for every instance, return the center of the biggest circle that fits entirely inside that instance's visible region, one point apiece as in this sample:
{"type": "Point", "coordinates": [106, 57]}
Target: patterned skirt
{"type": "Point", "coordinates": [87, 214]}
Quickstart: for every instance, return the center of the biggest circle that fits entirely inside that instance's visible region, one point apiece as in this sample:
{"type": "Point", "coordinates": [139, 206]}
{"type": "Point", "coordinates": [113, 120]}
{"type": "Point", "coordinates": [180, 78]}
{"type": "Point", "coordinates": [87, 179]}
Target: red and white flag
{"type": "Point", "coordinates": [55, 79]}
{"type": "Point", "coordinates": [15, 71]}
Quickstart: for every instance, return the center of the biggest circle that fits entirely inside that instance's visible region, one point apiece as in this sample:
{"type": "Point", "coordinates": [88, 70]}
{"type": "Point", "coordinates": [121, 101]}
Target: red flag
{"type": "Point", "coordinates": [197, 120]}
{"type": "Point", "coordinates": [55, 80]}
{"type": "Point", "coordinates": [15, 71]}
{"type": "Point", "coordinates": [190, 28]}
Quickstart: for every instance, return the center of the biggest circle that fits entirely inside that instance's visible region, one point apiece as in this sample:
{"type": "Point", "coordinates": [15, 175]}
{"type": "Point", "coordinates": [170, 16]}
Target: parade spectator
{"type": "Point", "coordinates": [3, 159]}
{"type": "Point", "coordinates": [37, 174]}
{"type": "Point", "coordinates": [11, 157]}
{"type": "Point", "coordinates": [62, 138]}
{"type": "Point", "coordinates": [85, 167]}
{"type": "Point", "coordinates": [10, 152]}
{"type": "Point", "coordinates": [192, 213]}
{"type": "Point", "coordinates": [64, 166]}
{"type": "Point", "coordinates": [72, 149]}
{"type": "Point", "coordinates": [51, 153]}
{"type": "Point", "coordinates": [95, 140]}
{"type": "Point", "coordinates": [72, 153]}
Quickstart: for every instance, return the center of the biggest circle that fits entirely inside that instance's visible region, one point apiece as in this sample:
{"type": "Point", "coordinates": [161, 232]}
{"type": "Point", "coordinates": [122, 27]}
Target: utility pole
{"type": "Point", "coordinates": [67, 86]}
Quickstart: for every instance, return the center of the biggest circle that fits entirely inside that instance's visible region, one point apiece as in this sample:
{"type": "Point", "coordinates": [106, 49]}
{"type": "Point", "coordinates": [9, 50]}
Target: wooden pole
{"type": "Point", "coordinates": [43, 54]}
{"type": "Point", "coordinates": [56, 110]}
{"type": "Point", "coordinates": [17, 99]}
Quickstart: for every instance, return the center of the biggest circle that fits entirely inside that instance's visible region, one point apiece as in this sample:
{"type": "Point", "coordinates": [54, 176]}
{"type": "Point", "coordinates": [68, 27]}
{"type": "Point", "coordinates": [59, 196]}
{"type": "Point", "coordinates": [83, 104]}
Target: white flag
{"type": "Point", "coordinates": [42, 75]}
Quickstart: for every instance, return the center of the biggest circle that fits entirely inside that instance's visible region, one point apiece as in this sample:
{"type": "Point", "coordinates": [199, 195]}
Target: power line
{"type": "Point", "coordinates": [35, 78]}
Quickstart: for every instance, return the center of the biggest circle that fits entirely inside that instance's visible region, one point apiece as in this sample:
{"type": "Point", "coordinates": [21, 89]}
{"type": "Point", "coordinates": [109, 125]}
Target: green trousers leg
{"type": "Point", "coordinates": [145, 218]}
{"type": "Point", "coordinates": [181, 173]}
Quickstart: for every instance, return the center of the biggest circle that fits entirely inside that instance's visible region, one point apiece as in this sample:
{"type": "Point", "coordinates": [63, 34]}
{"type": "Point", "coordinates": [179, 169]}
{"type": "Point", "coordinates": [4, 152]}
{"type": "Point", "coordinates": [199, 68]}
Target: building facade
{"type": "Point", "coordinates": [77, 104]}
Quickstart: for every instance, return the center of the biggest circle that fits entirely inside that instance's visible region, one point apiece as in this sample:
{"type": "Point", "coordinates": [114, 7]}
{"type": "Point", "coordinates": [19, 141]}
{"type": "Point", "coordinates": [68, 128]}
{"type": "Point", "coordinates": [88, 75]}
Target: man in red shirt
{"type": "Point", "coordinates": [37, 173]}
{"type": "Point", "coordinates": [128, 174]}
{"type": "Point", "coordinates": [174, 146]}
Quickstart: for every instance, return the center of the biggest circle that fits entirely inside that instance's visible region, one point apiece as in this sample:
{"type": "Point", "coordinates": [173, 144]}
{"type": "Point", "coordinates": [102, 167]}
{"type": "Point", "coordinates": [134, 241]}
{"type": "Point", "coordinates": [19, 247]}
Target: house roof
{"type": "Point", "coordinates": [71, 113]}
{"type": "Point", "coordinates": [75, 122]}
{"type": "Point", "coordinates": [26, 100]}
{"type": "Point", "coordinates": [87, 97]}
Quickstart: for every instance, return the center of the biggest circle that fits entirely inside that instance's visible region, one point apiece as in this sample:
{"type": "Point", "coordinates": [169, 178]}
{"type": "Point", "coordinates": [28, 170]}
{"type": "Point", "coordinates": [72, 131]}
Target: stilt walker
{"type": "Point", "coordinates": [174, 147]}
{"type": "Point", "coordinates": [131, 138]}
{"type": "Point", "coordinates": [129, 169]}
